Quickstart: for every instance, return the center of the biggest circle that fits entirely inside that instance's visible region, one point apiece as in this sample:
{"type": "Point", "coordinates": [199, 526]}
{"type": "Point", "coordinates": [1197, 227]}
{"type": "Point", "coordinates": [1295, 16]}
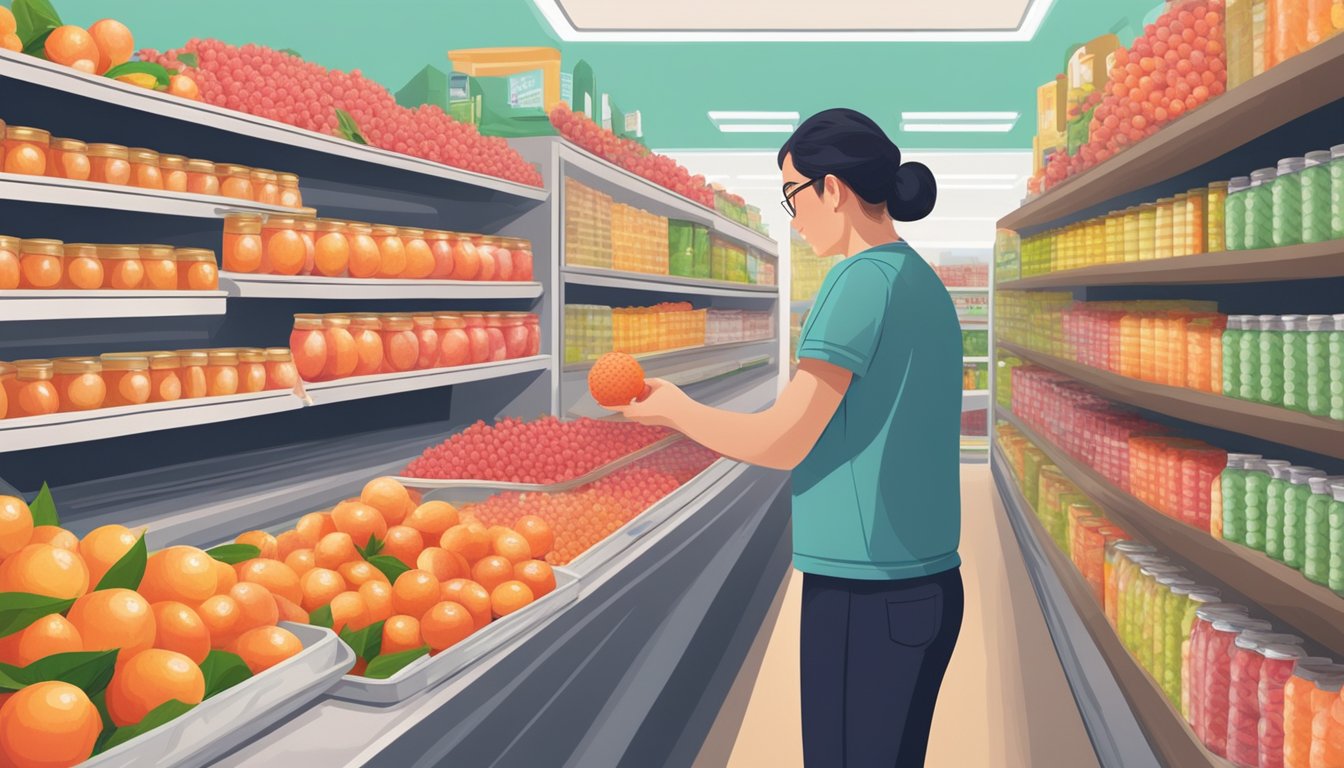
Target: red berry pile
{"type": "Point", "coordinates": [631, 155]}
{"type": "Point", "coordinates": [579, 519]}
{"type": "Point", "coordinates": [267, 83]}
{"type": "Point", "coordinates": [543, 451]}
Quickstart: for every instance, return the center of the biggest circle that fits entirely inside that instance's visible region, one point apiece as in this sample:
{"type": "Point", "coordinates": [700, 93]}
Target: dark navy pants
{"type": "Point", "coordinates": [873, 654]}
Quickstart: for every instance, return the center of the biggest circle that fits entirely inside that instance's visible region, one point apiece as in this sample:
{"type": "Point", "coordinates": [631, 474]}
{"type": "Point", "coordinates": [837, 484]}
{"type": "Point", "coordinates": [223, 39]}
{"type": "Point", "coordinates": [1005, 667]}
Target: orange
{"type": "Point", "coordinates": [335, 549]}
{"type": "Point", "coordinates": [16, 525]}
{"type": "Point", "coordinates": [264, 647]}
{"type": "Point", "coordinates": [616, 379]}
{"type": "Point", "coordinates": [177, 627]}
{"type": "Point", "coordinates": [256, 605]}
{"type": "Point", "coordinates": [442, 563]}
{"type": "Point", "coordinates": [114, 41]}
{"type": "Point", "coordinates": [227, 577]}
{"type": "Point", "coordinates": [360, 521]}
{"type": "Point", "coordinates": [287, 543]}
{"type": "Point", "coordinates": [513, 546]}
{"type": "Point", "coordinates": [537, 575]}
{"type": "Point", "coordinates": [415, 592]}
{"type": "Point", "coordinates": [184, 86]}
{"type": "Point", "coordinates": [389, 497]}
{"type": "Point", "coordinates": [468, 542]}
{"type": "Point", "coordinates": [222, 618]}
{"type": "Point", "coordinates": [11, 41]}
{"type": "Point", "coordinates": [400, 633]}
{"type": "Point", "coordinates": [470, 595]}
{"type": "Point", "coordinates": [69, 44]}
{"type": "Point", "coordinates": [45, 570]}
{"type": "Point", "coordinates": [48, 724]}
{"type": "Point", "coordinates": [57, 537]}
{"type": "Point", "coordinates": [273, 575]}
{"type": "Point", "coordinates": [301, 560]}
{"type": "Point", "coordinates": [114, 618]}
{"type": "Point", "coordinates": [361, 666]}
{"type": "Point", "coordinates": [538, 533]}
{"type": "Point", "coordinates": [377, 597]}
{"type": "Point", "coordinates": [495, 531]}
{"type": "Point", "coordinates": [509, 597]}
{"type": "Point", "coordinates": [184, 574]}
{"type": "Point", "coordinates": [445, 625]}
{"type": "Point", "coordinates": [49, 634]}
{"type": "Point", "coordinates": [261, 540]}
{"type": "Point", "coordinates": [151, 678]}
{"type": "Point", "coordinates": [361, 572]}
{"type": "Point", "coordinates": [8, 25]}
{"type": "Point", "coordinates": [348, 610]}
{"type": "Point", "coordinates": [319, 586]}
{"type": "Point", "coordinates": [492, 571]}
{"type": "Point", "coordinates": [432, 518]}
{"type": "Point", "coordinates": [313, 526]}
{"type": "Point", "coordinates": [290, 611]}
{"type": "Point", "coordinates": [404, 543]}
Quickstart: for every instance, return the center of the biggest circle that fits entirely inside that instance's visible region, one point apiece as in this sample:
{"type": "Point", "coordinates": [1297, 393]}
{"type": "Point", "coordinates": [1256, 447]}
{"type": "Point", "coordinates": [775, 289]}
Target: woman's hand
{"type": "Point", "coordinates": [663, 407]}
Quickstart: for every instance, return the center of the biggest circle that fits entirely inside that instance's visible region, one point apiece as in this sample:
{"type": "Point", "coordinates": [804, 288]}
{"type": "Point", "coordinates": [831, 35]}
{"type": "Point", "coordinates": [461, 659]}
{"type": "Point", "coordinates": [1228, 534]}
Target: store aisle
{"type": "Point", "coordinates": [1004, 674]}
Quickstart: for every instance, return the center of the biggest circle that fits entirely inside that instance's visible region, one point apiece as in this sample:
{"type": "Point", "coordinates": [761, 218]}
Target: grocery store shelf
{"type": "Point", "coordinates": [973, 320]}
{"type": "Point", "coordinates": [1127, 716]}
{"type": "Point", "coordinates": [974, 399]}
{"type": "Point", "coordinates": [79, 305]}
{"type": "Point", "coordinates": [88, 194]}
{"type": "Point", "coordinates": [975, 359]}
{"type": "Point", "coordinates": [651, 360]}
{"type": "Point", "coordinates": [1286, 92]}
{"type": "Point", "coordinates": [349, 288]}
{"type": "Point", "coordinates": [1310, 608]}
{"type": "Point", "coordinates": [1281, 425]}
{"type": "Point", "coordinates": [610, 278]}
{"type": "Point", "coordinates": [967, 289]}
{"type": "Point", "coordinates": [379, 384]}
{"type": "Point", "coordinates": [1294, 262]}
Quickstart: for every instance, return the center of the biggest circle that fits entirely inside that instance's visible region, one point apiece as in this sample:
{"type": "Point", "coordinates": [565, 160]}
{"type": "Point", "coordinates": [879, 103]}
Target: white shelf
{"type": "Point", "coordinates": [974, 400]}
{"type": "Point", "coordinates": [977, 359]}
{"type": "Point", "coordinates": [683, 353]}
{"type": "Point", "coordinates": [114, 197]}
{"type": "Point", "coordinates": [966, 289]}
{"type": "Point", "coordinates": [707, 373]}
{"type": "Point", "coordinates": [610, 278]}
{"type": "Point", "coordinates": [81, 305]}
{"type": "Point", "coordinates": [377, 385]}
{"type": "Point", "coordinates": [349, 288]}
{"type": "Point", "coordinates": [976, 320]}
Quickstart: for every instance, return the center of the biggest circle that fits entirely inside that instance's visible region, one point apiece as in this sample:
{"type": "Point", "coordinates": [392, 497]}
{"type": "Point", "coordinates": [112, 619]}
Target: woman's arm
{"type": "Point", "coordinates": [778, 437]}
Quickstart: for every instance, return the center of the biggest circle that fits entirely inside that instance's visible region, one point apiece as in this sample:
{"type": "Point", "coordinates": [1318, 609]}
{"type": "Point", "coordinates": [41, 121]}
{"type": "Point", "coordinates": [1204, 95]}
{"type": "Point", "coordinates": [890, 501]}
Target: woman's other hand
{"type": "Point", "coordinates": [662, 407]}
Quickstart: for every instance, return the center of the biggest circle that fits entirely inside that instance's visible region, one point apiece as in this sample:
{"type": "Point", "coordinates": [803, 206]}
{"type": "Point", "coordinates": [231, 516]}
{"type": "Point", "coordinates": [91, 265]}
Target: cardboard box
{"type": "Point", "coordinates": [1050, 101]}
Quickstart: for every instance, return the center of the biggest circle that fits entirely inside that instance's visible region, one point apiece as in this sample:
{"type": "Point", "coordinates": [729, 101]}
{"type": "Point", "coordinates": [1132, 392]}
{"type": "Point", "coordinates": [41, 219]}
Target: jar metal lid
{"type": "Point", "coordinates": [1262, 175]}
{"type": "Point", "coordinates": [359, 227]}
{"type": "Point", "coordinates": [119, 252]}
{"type": "Point", "coordinates": [159, 361]}
{"type": "Point", "coordinates": [193, 357]}
{"type": "Point", "coordinates": [288, 179]}
{"type": "Point", "coordinates": [201, 166]}
{"type": "Point", "coordinates": [228, 169]}
{"type": "Point", "coordinates": [330, 225]}
{"type": "Point", "coordinates": [222, 357]}
{"type": "Point", "coordinates": [35, 135]}
{"type": "Point", "coordinates": [1291, 165]}
{"type": "Point", "coordinates": [111, 151]}
{"type": "Point", "coordinates": [81, 250]}
{"type": "Point", "coordinates": [279, 355]}
{"type": "Point", "coordinates": [335, 322]}
{"type": "Point", "coordinates": [156, 251]}
{"type": "Point", "coordinates": [33, 370]}
{"type": "Point", "coordinates": [1229, 623]}
{"type": "Point", "coordinates": [251, 355]}
{"type": "Point", "coordinates": [1266, 637]}
{"type": "Point", "coordinates": [264, 175]}
{"type": "Point", "coordinates": [411, 232]}
{"type": "Point", "coordinates": [6, 369]}
{"type": "Point", "coordinates": [124, 361]}
{"type": "Point", "coordinates": [450, 320]}
{"type": "Point", "coordinates": [397, 323]}
{"type": "Point", "coordinates": [77, 365]}
{"type": "Point", "coordinates": [382, 230]}
{"type": "Point", "coordinates": [425, 320]}
{"type": "Point", "coordinates": [172, 162]}
{"type": "Point", "coordinates": [9, 243]}
{"type": "Point", "coordinates": [194, 254]}
{"type": "Point", "coordinates": [281, 222]}
{"type": "Point", "coordinates": [43, 246]}
{"type": "Point", "coordinates": [69, 145]}
{"type": "Point", "coordinates": [142, 155]}
{"type": "Point", "coordinates": [371, 322]}
{"type": "Point", "coordinates": [1318, 157]}
{"type": "Point", "coordinates": [1277, 652]}
{"type": "Point", "coordinates": [242, 224]}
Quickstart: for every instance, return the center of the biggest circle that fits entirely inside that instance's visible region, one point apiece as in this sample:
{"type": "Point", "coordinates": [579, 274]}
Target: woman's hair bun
{"type": "Point", "coordinates": [915, 192]}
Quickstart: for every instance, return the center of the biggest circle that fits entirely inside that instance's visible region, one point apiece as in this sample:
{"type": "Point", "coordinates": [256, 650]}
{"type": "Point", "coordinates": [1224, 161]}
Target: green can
{"type": "Point", "coordinates": [1294, 362]}
{"type": "Point", "coordinates": [1287, 194]}
{"type": "Point", "coordinates": [1316, 550]}
{"type": "Point", "coordinates": [1335, 351]}
{"type": "Point", "coordinates": [1173, 591]}
{"type": "Point", "coordinates": [1233, 486]}
{"type": "Point", "coordinates": [1234, 213]}
{"type": "Point", "coordinates": [1315, 182]}
{"type": "Point", "coordinates": [1337, 192]}
{"type": "Point", "coordinates": [1271, 537]}
{"type": "Point", "coordinates": [1259, 230]}
{"type": "Point", "coordinates": [1295, 499]}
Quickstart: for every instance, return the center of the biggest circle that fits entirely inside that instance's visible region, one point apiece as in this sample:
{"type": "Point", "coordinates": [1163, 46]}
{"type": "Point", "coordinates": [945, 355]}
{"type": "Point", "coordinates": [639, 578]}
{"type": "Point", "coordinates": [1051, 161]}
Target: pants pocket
{"type": "Point", "coordinates": [914, 623]}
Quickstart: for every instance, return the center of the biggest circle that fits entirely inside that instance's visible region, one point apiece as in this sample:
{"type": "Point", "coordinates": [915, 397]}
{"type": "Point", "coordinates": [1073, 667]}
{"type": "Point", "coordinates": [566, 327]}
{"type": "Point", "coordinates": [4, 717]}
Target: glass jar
{"type": "Point", "coordinates": [251, 370]}
{"type": "Point", "coordinates": [1274, 496]}
{"type": "Point", "coordinates": [160, 267]}
{"type": "Point", "coordinates": [10, 269]}
{"type": "Point", "coordinates": [1165, 607]}
{"type": "Point", "coordinates": [109, 164]}
{"type": "Point", "coordinates": [202, 177]}
{"type": "Point", "coordinates": [485, 251]}
{"type": "Point", "coordinates": [243, 251]}
{"type": "Point", "coordinates": [1287, 199]}
{"type": "Point", "coordinates": [1270, 336]}
{"type": "Point", "coordinates": [1234, 213]}
{"type": "Point", "coordinates": [1147, 620]}
{"type": "Point", "coordinates": [366, 330]}
{"type": "Point", "coordinates": [1200, 630]}
{"type": "Point", "coordinates": [79, 383]}
{"type": "Point", "coordinates": [69, 159]}
{"type": "Point", "coordinates": [289, 195]}
{"type": "Point", "coordinates": [1130, 234]}
{"type": "Point", "coordinates": [1232, 492]}
{"type": "Point", "coordinates": [441, 248]}
{"type": "Point", "coordinates": [331, 250]}
{"type": "Point", "coordinates": [41, 264]}
{"type": "Point", "coordinates": [1294, 362]}
{"type": "Point", "coordinates": [515, 335]}
{"type": "Point", "coordinates": [30, 389]}
{"type": "Point", "coordinates": [1336, 365]}
{"type": "Point", "coordinates": [1147, 231]}
{"type": "Point", "coordinates": [123, 269]}
{"type": "Point", "coordinates": [427, 340]}
{"type": "Point", "coordinates": [1246, 669]}
{"type": "Point", "coordinates": [1276, 670]}
{"type": "Point", "coordinates": [1336, 541]}
{"type": "Point", "coordinates": [454, 343]}
{"type": "Point", "coordinates": [127, 378]}
{"type": "Point", "coordinates": [221, 374]}
{"type": "Point", "coordinates": [533, 324]}
{"type": "Point", "coordinates": [1295, 500]}
{"type": "Point", "coordinates": [1190, 600]}
{"type": "Point", "coordinates": [196, 270]}
{"type": "Point", "coordinates": [1313, 688]}
{"type": "Point", "coordinates": [235, 181]}
{"type": "Point", "coordinates": [1180, 232]}
{"type": "Point", "coordinates": [391, 252]}
{"type": "Point", "coordinates": [165, 377]}
{"type": "Point", "coordinates": [308, 343]}
{"type": "Point", "coordinates": [282, 247]}
{"type": "Point", "coordinates": [494, 328]}
{"type": "Point", "coordinates": [145, 172]}
{"type": "Point", "coordinates": [1215, 217]}
{"type": "Point", "coordinates": [419, 257]}
{"type": "Point", "coordinates": [1316, 346]}
{"type": "Point", "coordinates": [503, 260]}
{"type": "Point", "coordinates": [1127, 605]}
{"type": "Point", "coordinates": [265, 186]}
{"type": "Point", "coordinates": [174, 170]}
{"type": "Point", "coordinates": [1316, 530]}
{"type": "Point", "coordinates": [1337, 192]}
{"type": "Point", "coordinates": [522, 259]}
{"type": "Point", "coordinates": [6, 377]}
{"type": "Point", "coordinates": [1258, 493]}
{"type": "Point", "coordinates": [1216, 673]}
{"type": "Point", "coordinates": [1196, 225]}
{"type": "Point", "coordinates": [26, 150]}
{"type": "Point", "coordinates": [1248, 359]}
{"type": "Point", "coordinates": [479, 338]}
{"type": "Point", "coordinates": [194, 382]}
{"type": "Point", "coordinates": [342, 358]}
{"type": "Point", "coordinates": [1314, 192]}
{"type": "Point", "coordinates": [1259, 232]}
{"type": "Point", "coordinates": [280, 370]}
{"type": "Point", "coordinates": [1231, 341]}
{"type": "Point", "coordinates": [466, 259]}
{"type": "Point", "coordinates": [307, 229]}
{"type": "Point", "coordinates": [401, 349]}
{"type": "Point", "coordinates": [366, 259]}
{"type": "Point", "coordinates": [83, 270]}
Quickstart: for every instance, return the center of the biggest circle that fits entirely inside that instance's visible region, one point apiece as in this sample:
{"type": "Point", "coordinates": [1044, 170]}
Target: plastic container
{"type": "Point", "coordinates": [79, 383]}
{"type": "Point", "coordinates": [202, 177]}
{"type": "Point", "coordinates": [391, 251]}
{"type": "Point", "coordinates": [265, 186]}
{"type": "Point", "coordinates": [494, 328]}
{"type": "Point", "coordinates": [69, 159]}
{"type": "Point", "coordinates": [174, 171]}
{"type": "Point", "coordinates": [1259, 231]}
{"type": "Point", "coordinates": [26, 150]}
{"type": "Point", "coordinates": [196, 269]}
{"type": "Point", "coordinates": [454, 343]}
{"type": "Point", "coordinates": [30, 390]}
{"type": "Point", "coordinates": [401, 348]}
{"type": "Point", "coordinates": [1234, 211]}
{"type": "Point", "coordinates": [533, 323]}
{"type": "Point", "coordinates": [466, 259]}
{"type": "Point", "coordinates": [419, 257]}
{"type": "Point", "coordinates": [523, 260]}
{"type": "Point", "coordinates": [41, 264]}
{"type": "Point", "coordinates": [243, 250]}
{"type": "Point", "coordinates": [251, 370]}
{"type": "Point", "coordinates": [160, 265]}
{"type": "Point", "coordinates": [9, 262]}
{"type": "Point", "coordinates": [145, 172]}
{"type": "Point", "coordinates": [516, 341]}
{"type": "Point", "coordinates": [127, 378]}
{"type": "Point", "coordinates": [165, 377]}
{"type": "Point", "coordinates": [1216, 673]}
{"type": "Point", "coordinates": [1276, 669]}
{"type": "Point", "coordinates": [342, 357]}
{"type": "Point", "coordinates": [83, 270]}
{"type": "Point", "coordinates": [1232, 482]}
{"type": "Point", "coordinates": [1335, 346]}
{"type": "Point", "coordinates": [441, 247]}
{"type": "Point", "coordinates": [1287, 194]}
{"type": "Point", "coordinates": [427, 341]}
{"type": "Point", "coordinates": [283, 251]}
{"type": "Point", "coordinates": [194, 381]}
{"type": "Point", "coordinates": [109, 164]}
{"type": "Point", "coordinates": [289, 195]}
{"type": "Point", "coordinates": [221, 374]}
{"type": "Point", "coordinates": [281, 372]}
{"type": "Point", "coordinates": [366, 259]}
{"type": "Point", "coordinates": [308, 344]}
{"type": "Point", "coordinates": [503, 258]}
{"type": "Point", "coordinates": [235, 181]}
{"type": "Point", "coordinates": [1295, 499]}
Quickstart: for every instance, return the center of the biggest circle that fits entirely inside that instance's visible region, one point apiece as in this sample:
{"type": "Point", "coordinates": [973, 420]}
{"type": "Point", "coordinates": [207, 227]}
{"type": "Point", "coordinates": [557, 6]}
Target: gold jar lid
{"type": "Point", "coordinates": [110, 151]}
{"type": "Point", "coordinates": [307, 322]}
{"type": "Point", "coordinates": [412, 233]}
{"type": "Point", "coordinates": [6, 369]}
{"type": "Point", "coordinates": [172, 162]}
{"type": "Point", "coordinates": [222, 357]}
{"type": "Point", "coordinates": [193, 357]}
{"type": "Point", "coordinates": [125, 361]}
{"type": "Point", "coordinates": [251, 355]}
{"type": "Point", "coordinates": [119, 252]}
{"type": "Point", "coordinates": [330, 225]}
{"type": "Point", "coordinates": [516, 316]}
{"type": "Point", "coordinates": [228, 169]}
{"type": "Point", "coordinates": [281, 222]}
{"type": "Point", "coordinates": [142, 155]}
{"type": "Point", "coordinates": [336, 321]}
{"type": "Point", "coordinates": [1218, 185]}
{"type": "Point", "coordinates": [69, 145]}
{"type": "Point", "coordinates": [382, 230]}
{"type": "Point", "coordinates": [8, 243]}
{"type": "Point", "coordinates": [33, 370]}
{"type": "Point", "coordinates": [162, 361]}
{"type": "Point", "coordinates": [494, 319]}
{"type": "Point", "coordinates": [397, 323]}
{"type": "Point", "coordinates": [156, 251]}
{"type": "Point", "coordinates": [242, 224]}
{"type": "Point", "coordinates": [307, 224]}
{"type": "Point", "coordinates": [44, 247]}
{"type": "Point", "coordinates": [76, 365]}
{"type": "Point", "coordinates": [473, 315]}
{"type": "Point", "coordinates": [359, 227]}
{"type": "Point", "coordinates": [436, 234]}
{"type": "Point", "coordinates": [372, 322]}
{"type": "Point", "coordinates": [423, 320]}
{"type": "Point", "coordinates": [194, 254]}
{"type": "Point", "coordinates": [487, 239]}
{"type": "Point", "coordinates": [451, 320]}
{"type": "Point", "coordinates": [309, 212]}
{"type": "Point", "coordinates": [81, 250]}
{"type": "Point", "coordinates": [201, 166]}
{"type": "Point", "coordinates": [33, 135]}
{"type": "Point", "coordinates": [279, 355]}
{"type": "Point", "coordinates": [287, 179]}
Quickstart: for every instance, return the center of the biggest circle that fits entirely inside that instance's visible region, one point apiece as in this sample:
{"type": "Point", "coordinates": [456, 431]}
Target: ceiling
{"type": "Point", "coordinates": [675, 84]}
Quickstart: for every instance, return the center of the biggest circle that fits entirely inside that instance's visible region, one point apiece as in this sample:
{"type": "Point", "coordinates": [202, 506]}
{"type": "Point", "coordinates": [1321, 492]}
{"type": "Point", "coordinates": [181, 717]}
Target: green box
{"type": "Point", "coordinates": [680, 248]}
{"type": "Point", "coordinates": [702, 253]}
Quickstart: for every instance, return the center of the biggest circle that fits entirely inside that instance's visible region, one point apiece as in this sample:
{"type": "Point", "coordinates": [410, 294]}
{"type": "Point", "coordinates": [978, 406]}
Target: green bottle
{"type": "Point", "coordinates": [1315, 180]}
{"type": "Point", "coordinates": [1295, 499]}
{"type": "Point", "coordinates": [1287, 196]}
{"type": "Point", "coordinates": [1318, 363]}
{"type": "Point", "coordinates": [1316, 530]}
{"type": "Point", "coordinates": [1233, 481]}
{"type": "Point", "coordinates": [1257, 496]}
{"type": "Point", "coordinates": [1234, 213]}
{"type": "Point", "coordinates": [1271, 534]}
{"type": "Point", "coordinates": [1336, 353]}
{"type": "Point", "coordinates": [1231, 348]}
{"type": "Point", "coordinates": [1336, 538]}
{"type": "Point", "coordinates": [1248, 359]}
{"type": "Point", "coordinates": [1260, 209]}
{"type": "Point", "coordinates": [1270, 338]}
{"type": "Point", "coordinates": [1294, 362]}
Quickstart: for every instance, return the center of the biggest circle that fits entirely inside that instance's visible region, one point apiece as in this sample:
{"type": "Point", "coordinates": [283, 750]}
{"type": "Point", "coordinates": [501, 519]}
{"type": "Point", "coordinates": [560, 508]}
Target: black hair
{"type": "Point", "coordinates": [851, 147]}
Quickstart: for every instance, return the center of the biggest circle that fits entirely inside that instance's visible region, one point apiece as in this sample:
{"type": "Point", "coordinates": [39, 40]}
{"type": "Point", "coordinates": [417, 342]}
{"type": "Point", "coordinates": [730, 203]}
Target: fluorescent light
{"type": "Point", "coordinates": [979, 177]}
{"type": "Point", "coordinates": [756, 128]}
{"type": "Point", "coordinates": [956, 127]}
{"type": "Point", "coordinates": [942, 187]}
{"type": "Point", "coordinates": [760, 177]}
{"type": "Point", "coordinates": [719, 115]}
{"type": "Point", "coordinates": [960, 115]}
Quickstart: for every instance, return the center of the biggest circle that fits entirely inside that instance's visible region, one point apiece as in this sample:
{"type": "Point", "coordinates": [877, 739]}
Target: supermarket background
{"type": "Point", "coordinates": [383, 248]}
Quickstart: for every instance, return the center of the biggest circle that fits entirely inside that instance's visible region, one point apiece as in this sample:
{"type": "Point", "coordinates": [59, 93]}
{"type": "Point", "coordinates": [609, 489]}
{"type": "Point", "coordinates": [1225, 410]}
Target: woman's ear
{"type": "Point", "coordinates": [834, 192]}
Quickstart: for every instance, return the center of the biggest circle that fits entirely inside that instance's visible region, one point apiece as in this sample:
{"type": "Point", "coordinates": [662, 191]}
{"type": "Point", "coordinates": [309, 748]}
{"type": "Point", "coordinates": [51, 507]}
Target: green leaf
{"type": "Point", "coordinates": [367, 642]}
{"type": "Point", "coordinates": [291, 52]}
{"type": "Point", "coordinates": [348, 128]}
{"type": "Point", "coordinates": [160, 72]}
{"type": "Point", "coordinates": [373, 547]}
{"type": "Point", "coordinates": [389, 565]}
{"type": "Point", "coordinates": [43, 508]}
{"type": "Point", "coordinates": [19, 609]}
{"type": "Point", "coordinates": [38, 47]}
{"type": "Point", "coordinates": [165, 712]}
{"type": "Point", "coordinates": [127, 572]}
{"type": "Point", "coordinates": [222, 671]}
{"type": "Point", "coordinates": [109, 727]}
{"type": "Point", "coordinates": [34, 19]}
{"type": "Point", "coordinates": [321, 617]}
{"type": "Point", "coordinates": [10, 679]}
{"type": "Point", "coordinates": [189, 60]}
{"type": "Point", "coordinates": [234, 554]}
{"type": "Point", "coordinates": [90, 671]}
{"type": "Point", "coordinates": [386, 666]}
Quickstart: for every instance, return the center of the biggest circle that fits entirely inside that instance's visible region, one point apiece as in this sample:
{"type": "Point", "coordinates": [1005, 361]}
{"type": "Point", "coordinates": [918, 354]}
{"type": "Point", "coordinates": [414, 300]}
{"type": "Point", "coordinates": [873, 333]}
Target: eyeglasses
{"type": "Point", "coordinates": [791, 190]}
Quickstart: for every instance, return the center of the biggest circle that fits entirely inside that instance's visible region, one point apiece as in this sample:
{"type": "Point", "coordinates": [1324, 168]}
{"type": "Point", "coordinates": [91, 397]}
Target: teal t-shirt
{"type": "Point", "coordinates": [879, 495]}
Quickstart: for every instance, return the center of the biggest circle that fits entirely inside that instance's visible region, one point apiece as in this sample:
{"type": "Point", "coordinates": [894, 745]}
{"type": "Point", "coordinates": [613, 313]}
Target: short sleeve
{"type": "Point", "coordinates": [848, 318]}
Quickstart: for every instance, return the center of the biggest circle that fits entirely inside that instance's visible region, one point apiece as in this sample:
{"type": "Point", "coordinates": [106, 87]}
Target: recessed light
{"type": "Point", "coordinates": [956, 127]}
{"type": "Point", "coordinates": [756, 128]}
{"type": "Point", "coordinates": [960, 115]}
{"type": "Point", "coordinates": [730, 115]}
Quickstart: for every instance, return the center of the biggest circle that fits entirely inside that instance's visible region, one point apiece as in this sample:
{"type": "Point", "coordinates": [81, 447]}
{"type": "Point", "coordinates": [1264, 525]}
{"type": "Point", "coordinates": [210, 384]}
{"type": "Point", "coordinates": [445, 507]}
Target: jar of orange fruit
{"type": "Point", "coordinates": [485, 251]}
{"type": "Point", "coordinates": [6, 373]}
{"type": "Point", "coordinates": [145, 171]}
{"type": "Point", "coordinates": [251, 370]}
{"type": "Point", "coordinates": [427, 339]}
{"type": "Point", "coordinates": [454, 344]}
{"type": "Point", "coordinates": [127, 378]}
{"type": "Point", "coordinates": [441, 247]}
{"type": "Point", "coordinates": [265, 186]}
{"type": "Point", "coordinates": [9, 262]}
{"type": "Point", "coordinates": [221, 373]}
{"type": "Point", "coordinates": [331, 249]}
{"type": "Point", "coordinates": [174, 170]}
{"type": "Point", "coordinates": [494, 328]}
{"type": "Point", "coordinates": [466, 259]}
{"type": "Point", "coordinates": [165, 377]}
{"type": "Point", "coordinates": [533, 324]}
{"type": "Point", "coordinates": [283, 251]}
{"type": "Point", "coordinates": [122, 267]}
{"type": "Point", "coordinates": [308, 234]}
{"type": "Point", "coordinates": [26, 150]}
{"type": "Point", "coordinates": [342, 357]}
{"type": "Point", "coordinates": [478, 336]}
{"type": "Point", "coordinates": [83, 268]}
{"type": "Point", "coordinates": [522, 259]}
{"type": "Point", "coordinates": [289, 195]}
{"type": "Point", "coordinates": [419, 258]}
{"type": "Point", "coordinates": [503, 259]}
{"type": "Point", "coordinates": [192, 373]}
{"type": "Point", "coordinates": [109, 164]}
{"type": "Point", "coordinates": [202, 177]}
{"type": "Point", "coordinates": [40, 264]}
{"type": "Point", "coordinates": [196, 269]}
{"type": "Point", "coordinates": [30, 390]}
{"type": "Point", "coordinates": [515, 335]}
{"type": "Point", "coordinates": [308, 343]}
{"type": "Point", "coordinates": [242, 243]}
{"type": "Point", "coordinates": [79, 383]}
{"type": "Point", "coordinates": [69, 159]}
{"type": "Point", "coordinates": [366, 330]}
{"type": "Point", "coordinates": [392, 251]}
{"type": "Point", "coordinates": [160, 265]}
{"type": "Point", "coordinates": [280, 370]}
{"type": "Point", "coordinates": [235, 181]}
{"type": "Point", "coordinates": [366, 258]}
{"type": "Point", "coordinates": [401, 349]}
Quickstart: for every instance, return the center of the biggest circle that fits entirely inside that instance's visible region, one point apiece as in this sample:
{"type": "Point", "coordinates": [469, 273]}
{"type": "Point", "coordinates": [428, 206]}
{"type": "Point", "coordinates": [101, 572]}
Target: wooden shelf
{"type": "Point", "coordinates": [1288, 91]}
{"type": "Point", "coordinates": [1294, 262]}
{"type": "Point", "coordinates": [1310, 608]}
{"type": "Point", "coordinates": [1281, 425]}
{"type": "Point", "coordinates": [1169, 737]}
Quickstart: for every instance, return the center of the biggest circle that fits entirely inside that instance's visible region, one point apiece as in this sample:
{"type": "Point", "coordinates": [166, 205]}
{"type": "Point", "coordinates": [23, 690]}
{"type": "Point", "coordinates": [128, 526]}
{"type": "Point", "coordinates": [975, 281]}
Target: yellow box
{"type": "Point", "coordinates": [501, 62]}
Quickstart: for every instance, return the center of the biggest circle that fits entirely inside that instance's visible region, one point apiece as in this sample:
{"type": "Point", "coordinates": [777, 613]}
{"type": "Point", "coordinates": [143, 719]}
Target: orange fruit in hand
{"type": "Point", "coordinates": [287, 543]}
{"type": "Point", "coordinates": [319, 586]}
{"type": "Point", "coordinates": [442, 564]}
{"type": "Point", "coordinates": [445, 625]}
{"type": "Point", "coordinates": [471, 543]}
{"type": "Point", "coordinates": [301, 560]}
{"type": "Point", "coordinates": [115, 43]}
{"type": "Point", "coordinates": [335, 549]}
{"type": "Point", "coordinates": [48, 724]}
{"type": "Point", "coordinates": [469, 595]}
{"type": "Point", "coordinates": [415, 592]}
{"type": "Point", "coordinates": [538, 533]}
{"type": "Point", "coordinates": [359, 520]}
{"type": "Point", "coordinates": [114, 618]}
{"type": "Point", "coordinates": [45, 570]}
{"type": "Point", "coordinates": [290, 611]}
{"type": "Point", "coordinates": [616, 379]}
{"type": "Point", "coordinates": [177, 627]}
{"type": "Point", "coordinates": [69, 44]}
{"type": "Point", "coordinates": [273, 575]}
{"type": "Point", "coordinates": [400, 633]}
{"type": "Point", "coordinates": [537, 575]}
{"type": "Point", "coordinates": [313, 526]}
{"type": "Point", "coordinates": [509, 597]}
{"type": "Point", "coordinates": [492, 571]}
{"type": "Point", "coordinates": [227, 577]}
{"type": "Point", "coordinates": [57, 537]}
{"type": "Point", "coordinates": [103, 547]}
{"type": "Point", "coordinates": [184, 574]}
{"type": "Point", "coordinates": [184, 86]}
{"type": "Point", "coordinates": [151, 678]}
{"type": "Point", "coordinates": [264, 647]}
{"type": "Point", "coordinates": [432, 518]}
{"type": "Point", "coordinates": [261, 540]}
{"type": "Point", "coordinates": [348, 610]}
{"type": "Point", "coordinates": [221, 617]}
{"type": "Point", "coordinates": [404, 543]}
{"type": "Point", "coordinates": [377, 597]}
{"type": "Point", "coordinates": [389, 497]}
{"type": "Point", "coordinates": [49, 634]}
{"type": "Point", "coordinates": [512, 546]}
{"type": "Point", "coordinates": [361, 572]}
{"type": "Point", "coordinates": [256, 606]}
{"type": "Point", "coordinates": [16, 525]}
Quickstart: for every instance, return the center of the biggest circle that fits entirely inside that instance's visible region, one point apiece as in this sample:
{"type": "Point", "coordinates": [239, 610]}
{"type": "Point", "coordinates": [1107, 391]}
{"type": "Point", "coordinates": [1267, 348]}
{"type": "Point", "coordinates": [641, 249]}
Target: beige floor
{"type": "Point", "coordinates": [1004, 703]}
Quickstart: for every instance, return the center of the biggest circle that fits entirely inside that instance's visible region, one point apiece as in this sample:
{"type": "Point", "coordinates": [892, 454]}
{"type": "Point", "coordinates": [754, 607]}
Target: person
{"type": "Point", "coordinates": [869, 426]}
